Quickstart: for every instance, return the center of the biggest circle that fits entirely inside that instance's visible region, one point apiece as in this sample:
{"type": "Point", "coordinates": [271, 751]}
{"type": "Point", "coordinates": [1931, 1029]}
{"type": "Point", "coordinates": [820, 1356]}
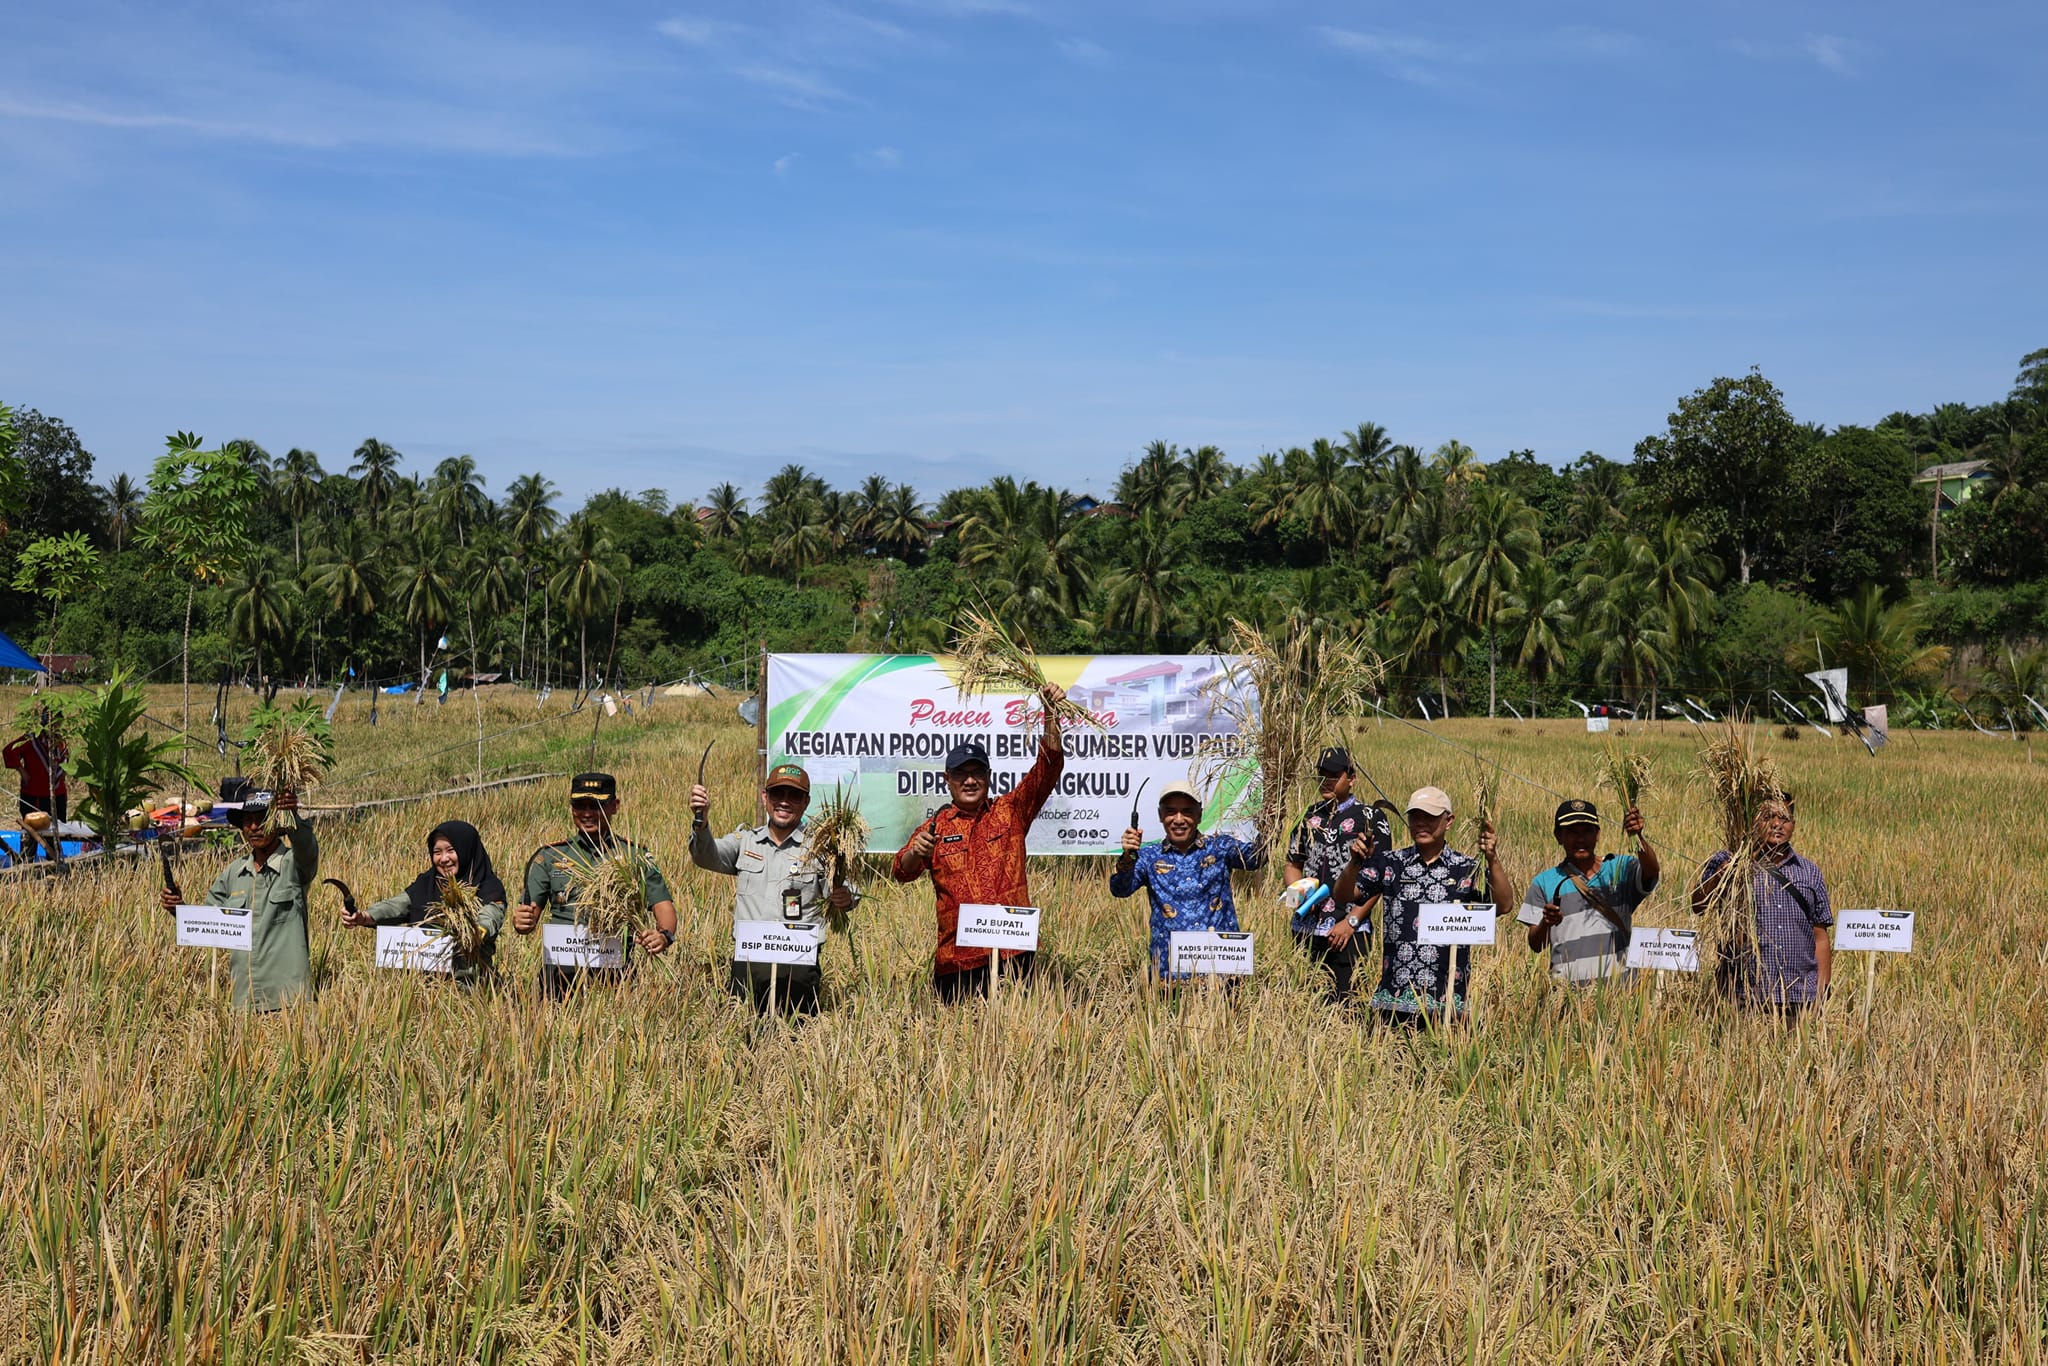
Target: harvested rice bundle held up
{"type": "Point", "coordinates": [837, 836]}
{"type": "Point", "coordinates": [293, 748]}
{"type": "Point", "coordinates": [455, 915]}
{"type": "Point", "coordinates": [987, 659]}
{"type": "Point", "coordinates": [1288, 695]}
{"type": "Point", "coordinates": [1625, 772]}
{"type": "Point", "coordinates": [610, 892]}
{"type": "Point", "coordinates": [1742, 783]}
{"type": "Point", "coordinates": [1486, 798]}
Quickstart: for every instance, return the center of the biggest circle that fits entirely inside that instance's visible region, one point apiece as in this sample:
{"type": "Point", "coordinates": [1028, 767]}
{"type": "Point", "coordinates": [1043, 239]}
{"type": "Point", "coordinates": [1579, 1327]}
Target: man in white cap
{"type": "Point", "coordinates": [1420, 982]}
{"type": "Point", "coordinates": [1186, 875]}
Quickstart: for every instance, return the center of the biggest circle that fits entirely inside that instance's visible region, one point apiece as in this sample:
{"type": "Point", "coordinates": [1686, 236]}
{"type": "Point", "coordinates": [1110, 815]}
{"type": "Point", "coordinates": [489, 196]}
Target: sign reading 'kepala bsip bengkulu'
{"type": "Point", "coordinates": [881, 726]}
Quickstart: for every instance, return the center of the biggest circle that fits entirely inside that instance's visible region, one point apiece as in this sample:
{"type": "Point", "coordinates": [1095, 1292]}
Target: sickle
{"type": "Point", "coordinates": [700, 762]}
{"type": "Point", "coordinates": [163, 853]}
{"type": "Point", "coordinates": [348, 898]}
{"type": "Point", "coordinates": [1134, 803]}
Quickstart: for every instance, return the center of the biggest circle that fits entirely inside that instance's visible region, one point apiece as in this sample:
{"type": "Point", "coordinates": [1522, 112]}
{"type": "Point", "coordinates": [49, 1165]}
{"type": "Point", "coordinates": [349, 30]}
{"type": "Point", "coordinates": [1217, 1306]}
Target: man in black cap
{"type": "Point", "coordinates": [1334, 936]}
{"type": "Point", "coordinates": [974, 850]}
{"type": "Point", "coordinates": [271, 882]}
{"type": "Point", "coordinates": [593, 802]}
{"type": "Point", "coordinates": [1584, 908]}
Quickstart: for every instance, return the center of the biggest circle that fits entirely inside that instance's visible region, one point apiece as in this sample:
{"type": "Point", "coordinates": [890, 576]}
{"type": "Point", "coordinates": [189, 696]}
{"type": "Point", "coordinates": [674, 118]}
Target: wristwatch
{"type": "Point", "coordinates": [1352, 921]}
{"type": "Point", "coordinates": [668, 937]}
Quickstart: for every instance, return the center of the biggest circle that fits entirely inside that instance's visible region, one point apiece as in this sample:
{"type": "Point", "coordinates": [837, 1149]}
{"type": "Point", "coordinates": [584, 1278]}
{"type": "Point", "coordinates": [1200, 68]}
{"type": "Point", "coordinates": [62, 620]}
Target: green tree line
{"type": "Point", "coordinates": [1737, 548]}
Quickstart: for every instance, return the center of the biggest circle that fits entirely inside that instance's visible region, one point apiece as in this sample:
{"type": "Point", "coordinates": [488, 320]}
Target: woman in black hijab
{"type": "Point", "coordinates": [454, 850]}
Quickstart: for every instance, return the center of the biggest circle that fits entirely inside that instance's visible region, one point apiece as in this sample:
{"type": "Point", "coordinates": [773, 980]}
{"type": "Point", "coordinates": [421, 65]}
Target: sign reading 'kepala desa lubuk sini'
{"type": "Point", "coordinates": [882, 725]}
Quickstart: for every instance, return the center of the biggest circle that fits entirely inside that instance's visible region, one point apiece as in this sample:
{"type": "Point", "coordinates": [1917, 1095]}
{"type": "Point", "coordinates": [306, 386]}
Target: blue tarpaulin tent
{"type": "Point", "coordinates": [12, 656]}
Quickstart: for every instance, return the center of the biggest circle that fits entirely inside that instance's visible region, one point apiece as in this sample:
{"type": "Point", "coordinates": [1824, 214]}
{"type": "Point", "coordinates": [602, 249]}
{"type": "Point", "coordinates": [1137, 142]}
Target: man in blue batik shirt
{"type": "Point", "coordinates": [1186, 875]}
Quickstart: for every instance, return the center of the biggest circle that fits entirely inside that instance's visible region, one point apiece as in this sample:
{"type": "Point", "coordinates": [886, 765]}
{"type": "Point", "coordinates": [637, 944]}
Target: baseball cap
{"type": "Point", "coordinates": [1577, 811]}
{"type": "Point", "coordinates": [1433, 801]}
{"type": "Point", "coordinates": [789, 775]}
{"type": "Point", "coordinates": [1180, 789]}
{"type": "Point", "coordinates": [599, 786]}
{"type": "Point", "coordinates": [965, 753]}
{"type": "Point", "coordinates": [255, 803]}
{"type": "Point", "coordinates": [1335, 763]}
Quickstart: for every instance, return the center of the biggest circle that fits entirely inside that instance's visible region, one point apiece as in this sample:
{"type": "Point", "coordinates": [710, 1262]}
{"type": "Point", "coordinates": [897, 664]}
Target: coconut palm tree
{"type": "Point", "coordinates": [1403, 497]}
{"type": "Point", "coordinates": [587, 583]}
{"type": "Point", "coordinates": [345, 574]}
{"type": "Point", "coordinates": [900, 522]}
{"type": "Point", "coordinates": [1674, 557]}
{"type": "Point", "coordinates": [457, 496]}
{"type": "Point", "coordinates": [1632, 636]}
{"type": "Point", "coordinates": [1426, 616]}
{"type": "Point", "coordinates": [1323, 495]}
{"type": "Point", "coordinates": [375, 469]}
{"type": "Point", "coordinates": [1538, 619]}
{"type": "Point", "coordinates": [298, 493]}
{"type": "Point", "coordinates": [530, 519]}
{"type": "Point", "coordinates": [1156, 482]}
{"type": "Point", "coordinates": [423, 588]}
{"type": "Point", "coordinates": [1369, 450]}
{"type": "Point", "coordinates": [728, 512]}
{"type": "Point", "coordinates": [1496, 541]}
{"type": "Point", "coordinates": [258, 605]}
{"type": "Point", "coordinates": [1139, 594]}
{"type": "Point", "coordinates": [121, 506]}
{"type": "Point", "coordinates": [1879, 645]}
{"type": "Point", "coordinates": [1208, 473]}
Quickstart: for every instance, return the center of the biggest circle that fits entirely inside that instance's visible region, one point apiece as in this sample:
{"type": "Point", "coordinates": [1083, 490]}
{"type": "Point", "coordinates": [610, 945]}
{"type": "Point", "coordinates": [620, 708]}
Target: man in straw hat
{"type": "Point", "coordinates": [552, 872]}
{"type": "Point", "coordinates": [775, 879]}
{"type": "Point", "coordinates": [1584, 908]}
{"type": "Point", "coordinates": [270, 882]}
{"type": "Point", "coordinates": [1420, 982]}
{"type": "Point", "coordinates": [974, 849]}
{"type": "Point", "coordinates": [1186, 876]}
{"type": "Point", "coordinates": [1333, 932]}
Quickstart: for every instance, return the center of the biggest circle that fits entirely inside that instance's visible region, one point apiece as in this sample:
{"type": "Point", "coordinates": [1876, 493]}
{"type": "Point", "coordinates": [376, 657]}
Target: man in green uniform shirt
{"type": "Point", "coordinates": [270, 882]}
{"type": "Point", "coordinates": [593, 802]}
{"type": "Point", "coordinates": [777, 880]}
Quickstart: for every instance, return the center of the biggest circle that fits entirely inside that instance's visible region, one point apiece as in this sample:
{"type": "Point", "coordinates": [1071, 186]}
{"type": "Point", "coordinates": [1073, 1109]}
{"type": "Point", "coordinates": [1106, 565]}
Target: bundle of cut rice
{"type": "Point", "coordinates": [837, 835]}
{"type": "Point", "coordinates": [987, 659]}
{"type": "Point", "coordinates": [1625, 772]}
{"type": "Point", "coordinates": [292, 749]}
{"type": "Point", "coordinates": [1287, 696]}
{"type": "Point", "coordinates": [1486, 796]}
{"type": "Point", "coordinates": [1742, 783]}
{"type": "Point", "coordinates": [455, 915]}
{"type": "Point", "coordinates": [610, 892]}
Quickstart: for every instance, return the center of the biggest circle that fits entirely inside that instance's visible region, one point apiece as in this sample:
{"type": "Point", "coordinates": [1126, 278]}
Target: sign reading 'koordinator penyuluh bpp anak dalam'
{"type": "Point", "coordinates": [880, 725]}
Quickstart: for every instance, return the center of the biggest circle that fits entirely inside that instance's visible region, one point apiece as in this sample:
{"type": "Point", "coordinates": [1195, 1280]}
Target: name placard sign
{"type": "Point", "coordinates": [214, 927]}
{"type": "Point", "coordinates": [410, 948]}
{"type": "Point", "coordinates": [572, 946]}
{"type": "Point", "coordinates": [1596, 724]}
{"type": "Point", "coordinates": [772, 941]}
{"type": "Point", "coordinates": [1454, 922]}
{"type": "Point", "coordinates": [997, 927]}
{"type": "Point", "coordinates": [1664, 950]}
{"type": "Point", "coordinates": [1874, 931]}
{"type": "Point", "coordinates": [1224, 953]}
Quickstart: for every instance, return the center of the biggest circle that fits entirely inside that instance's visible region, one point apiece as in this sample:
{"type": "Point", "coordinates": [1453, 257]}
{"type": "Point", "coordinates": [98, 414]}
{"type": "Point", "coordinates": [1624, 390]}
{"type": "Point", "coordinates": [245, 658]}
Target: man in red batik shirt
{"type": "Point", "coordinates": [974, 849]}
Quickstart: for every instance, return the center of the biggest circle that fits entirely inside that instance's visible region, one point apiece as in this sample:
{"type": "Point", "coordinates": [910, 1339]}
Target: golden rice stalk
{"type": "Point", "coordinates": [455, 915]}
{"type": "Point", "coordinates": [1742, 782]}
{"type": "Point", "coordinates": [1486, 796]}
{"type": "Point", "coordinates": [987, 659]}
{"type": "Point", "coordinates": [837, 836]}
{"type": "Point", "coordinates": [292, 748]}
{"type": "Point", "coordinates": [1287, 695]}
{"type": "Point", "coordinates": [1625, 772]}
{"type": "Point", "coordinates": [610, 893]}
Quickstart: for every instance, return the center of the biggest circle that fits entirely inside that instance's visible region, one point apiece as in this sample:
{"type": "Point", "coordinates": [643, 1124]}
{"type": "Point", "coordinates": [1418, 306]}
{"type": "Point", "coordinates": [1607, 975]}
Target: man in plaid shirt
{"type": "Point", "coordinates": [1794, 958]}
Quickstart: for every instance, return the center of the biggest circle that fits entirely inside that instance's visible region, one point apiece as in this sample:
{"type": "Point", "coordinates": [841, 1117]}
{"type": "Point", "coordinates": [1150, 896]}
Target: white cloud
{"type": "Point", "coordinates": [1836, 54]}
{"type": "Point", "coordinates": [798, 88]}
{"type": "Point", "coordinates": [881, 159]}
{"type": "Point", "coordinates": [1828, 51]}
{"type": "Point", "coordinates": [696, 32]}
{"type": "Point", "coordinates": [1083, 51]}
{"type": "Point", "coordinates": [783, 163]}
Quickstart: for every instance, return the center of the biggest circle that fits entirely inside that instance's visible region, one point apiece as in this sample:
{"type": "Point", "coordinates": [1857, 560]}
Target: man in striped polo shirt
{"type": "Point", "coordinates": [1584, 908]}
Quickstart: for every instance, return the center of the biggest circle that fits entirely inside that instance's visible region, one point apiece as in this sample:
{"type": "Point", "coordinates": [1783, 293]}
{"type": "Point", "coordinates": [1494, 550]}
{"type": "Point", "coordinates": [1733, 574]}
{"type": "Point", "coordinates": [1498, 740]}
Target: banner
{"type": "Point", "coordinates": [881, 725]}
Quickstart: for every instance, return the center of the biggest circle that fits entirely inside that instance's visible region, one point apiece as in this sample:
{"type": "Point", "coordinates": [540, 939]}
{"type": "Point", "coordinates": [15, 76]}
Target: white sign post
{"type": "Point", "coordinates": [778, 944]}
{"type": "Point", "coordinates": [1664, 950]}
{"type": "Point", "coordinates": [1596, 724]}
{"type": "Point", "coordinates": [1454, 923]}
{"type": "Point", "coordinates": [1873, 932]}
{"type": "Point", "coordinates": [998, 928]}
{"type": "Point", "coordinates": [573, 946]}
{"type": "Point", "coordinates": [214, 927]}
{"type": "Point", "coordinates": [410, 948]}
{"type": "Point", "coordinates": [1219, 953]}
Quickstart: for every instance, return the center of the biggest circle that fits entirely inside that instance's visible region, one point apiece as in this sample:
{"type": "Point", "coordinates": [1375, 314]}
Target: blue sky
{"type": "Point", "coordinates": [655, 245]}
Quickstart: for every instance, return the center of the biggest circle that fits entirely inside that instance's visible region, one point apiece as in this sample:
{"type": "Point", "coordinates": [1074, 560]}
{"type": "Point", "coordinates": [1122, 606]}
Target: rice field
{"type": "Point", "coordinates": [1087, 1172]}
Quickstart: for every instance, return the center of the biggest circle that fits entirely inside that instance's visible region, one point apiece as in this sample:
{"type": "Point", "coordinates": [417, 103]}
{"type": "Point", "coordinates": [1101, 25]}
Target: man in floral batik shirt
{"type": "Point", "coordinates": [1333, 934]}
{"type": "Point", "coordinates": [1420, 982]}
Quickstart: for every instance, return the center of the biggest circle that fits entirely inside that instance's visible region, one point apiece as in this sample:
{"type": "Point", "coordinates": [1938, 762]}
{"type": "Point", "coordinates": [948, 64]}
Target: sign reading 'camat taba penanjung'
{"type": "Point", "coordinates": [1454, 922]}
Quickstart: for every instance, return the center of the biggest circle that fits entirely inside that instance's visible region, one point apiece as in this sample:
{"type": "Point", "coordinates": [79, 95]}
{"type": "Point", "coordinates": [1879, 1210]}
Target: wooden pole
{"type": "Point", "coordinates": [761, 713]}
